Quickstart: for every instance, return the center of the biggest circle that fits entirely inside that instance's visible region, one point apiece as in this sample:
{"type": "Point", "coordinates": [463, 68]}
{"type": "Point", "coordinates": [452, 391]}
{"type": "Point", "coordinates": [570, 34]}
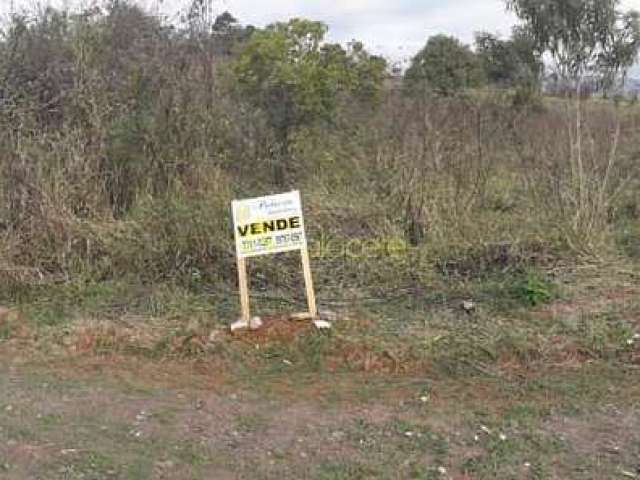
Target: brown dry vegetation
{"type": "Point", "coordinates": [117, 169]}
{"type": "Point", "coordinates": [120, 163]}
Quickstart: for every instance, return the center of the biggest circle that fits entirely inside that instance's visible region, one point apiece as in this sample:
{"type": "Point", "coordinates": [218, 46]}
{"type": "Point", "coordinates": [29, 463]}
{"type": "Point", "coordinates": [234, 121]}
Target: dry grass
{"type": "Point", "coordinates": [107, 184]}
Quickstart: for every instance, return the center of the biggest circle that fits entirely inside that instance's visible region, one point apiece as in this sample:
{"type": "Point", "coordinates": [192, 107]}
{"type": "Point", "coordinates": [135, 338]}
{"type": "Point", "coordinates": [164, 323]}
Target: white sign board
{"type": "Point", "coordinates": [268, 225]}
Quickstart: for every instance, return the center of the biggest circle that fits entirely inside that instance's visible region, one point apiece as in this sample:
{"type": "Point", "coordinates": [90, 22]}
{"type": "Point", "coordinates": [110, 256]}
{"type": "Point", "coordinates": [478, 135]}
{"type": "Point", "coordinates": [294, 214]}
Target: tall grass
{"type": "Point", "coordinates": [121, 147]}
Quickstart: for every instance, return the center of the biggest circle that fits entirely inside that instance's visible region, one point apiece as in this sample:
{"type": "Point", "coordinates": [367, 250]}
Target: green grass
{"type": "Point", "coordinates": [412, 331]}
{"type": "Point", "coordinates": [628, 238]}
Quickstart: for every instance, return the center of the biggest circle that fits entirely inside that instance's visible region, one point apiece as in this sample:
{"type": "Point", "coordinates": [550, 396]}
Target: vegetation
{"type": "Point", "coordinates": [476, 243]}
{"type": "Point", "coordinates": [296, 79]}
{"type": "Point", "coordinates": [583, 37]}
{"type": "Point", "coordinates": [445, 66]}
{"type": "Point", "coordinates": [119, 163]}
{"type": "Point", "coordinates": [512, 63]}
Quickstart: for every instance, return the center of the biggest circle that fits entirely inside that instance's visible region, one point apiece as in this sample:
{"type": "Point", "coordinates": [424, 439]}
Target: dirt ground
{"type": "Point", "coordinates": [560, 398]}
{"type": "Point", "coordinates": [120, 418]}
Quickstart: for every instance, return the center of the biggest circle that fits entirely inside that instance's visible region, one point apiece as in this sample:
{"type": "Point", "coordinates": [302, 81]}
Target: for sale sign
{"type": "Point", "coordinates": [268, 225]}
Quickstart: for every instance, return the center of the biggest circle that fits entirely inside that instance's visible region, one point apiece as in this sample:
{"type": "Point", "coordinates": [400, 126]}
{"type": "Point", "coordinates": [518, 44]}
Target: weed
{"type": "Point", "coordinates": [628, 238]}
{"type": "Point", "coordinates": [534, 289]}
{"type": "Point", "coordinates": [5, 330]}
{"type": "Point", "coordinates": [51, 420]}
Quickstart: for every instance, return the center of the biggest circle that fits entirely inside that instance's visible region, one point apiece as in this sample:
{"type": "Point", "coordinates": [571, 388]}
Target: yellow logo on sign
{"type": "Point", "coordinates": [244, 214]}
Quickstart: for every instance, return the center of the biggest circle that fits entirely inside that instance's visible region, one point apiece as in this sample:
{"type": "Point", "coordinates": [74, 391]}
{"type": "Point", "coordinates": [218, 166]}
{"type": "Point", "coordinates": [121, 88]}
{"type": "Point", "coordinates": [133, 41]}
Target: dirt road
{"type": "Point", "coordinates": [124, 418]}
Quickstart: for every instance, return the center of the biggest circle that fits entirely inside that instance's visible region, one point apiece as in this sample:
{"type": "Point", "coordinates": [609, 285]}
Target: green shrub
{"type": "Point", "coordinates": [534, 289]}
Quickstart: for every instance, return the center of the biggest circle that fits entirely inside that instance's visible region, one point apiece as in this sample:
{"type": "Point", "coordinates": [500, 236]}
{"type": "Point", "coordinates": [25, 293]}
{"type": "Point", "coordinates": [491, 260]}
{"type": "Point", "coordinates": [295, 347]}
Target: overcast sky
{"type": "Point", "coordinates": [394, 28]}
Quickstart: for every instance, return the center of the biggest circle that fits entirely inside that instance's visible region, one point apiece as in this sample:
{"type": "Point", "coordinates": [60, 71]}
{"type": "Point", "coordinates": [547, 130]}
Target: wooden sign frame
{"type": "Point", "coordinates": [243, 285]}
{"type": "Point", "coordinates": [243, 278]}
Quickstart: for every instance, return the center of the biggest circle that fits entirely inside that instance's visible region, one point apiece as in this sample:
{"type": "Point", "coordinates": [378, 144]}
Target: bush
{"type": "Point", "coordinates": [121, 163]}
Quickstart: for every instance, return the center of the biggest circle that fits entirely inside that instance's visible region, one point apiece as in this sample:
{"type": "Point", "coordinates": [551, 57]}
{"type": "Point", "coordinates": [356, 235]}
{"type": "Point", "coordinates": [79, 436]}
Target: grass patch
{"type": "Point", "coordinates": [534, 289]}
{"type": "Point", "coordinates": [344, 471]}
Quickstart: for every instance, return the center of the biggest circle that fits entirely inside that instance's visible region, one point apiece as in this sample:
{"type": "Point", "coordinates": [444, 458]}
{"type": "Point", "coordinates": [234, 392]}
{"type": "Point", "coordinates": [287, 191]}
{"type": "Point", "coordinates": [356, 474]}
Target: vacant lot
{"type": "Point", "coordinates": [474, 242]}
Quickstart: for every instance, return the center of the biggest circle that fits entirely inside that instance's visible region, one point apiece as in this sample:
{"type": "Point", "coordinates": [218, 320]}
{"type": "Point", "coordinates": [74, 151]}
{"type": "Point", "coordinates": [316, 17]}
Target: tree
{"type": "Point", "coordinates": [445, 66]}
{"type": "Point", "coordinates": [295, 79]}
{"type": "Point", "coordinates": [225, 22]}
{"type": "Point", "coordinates": [593, 38]}
{"type": "Point", "coordinates": [624, 50]}
{"type": "Point", "coordinates": [584, 37]}
{"type": "Point", "coordinates": [512, 63]}
{"type": "Point", "coordinates": [227, 34]}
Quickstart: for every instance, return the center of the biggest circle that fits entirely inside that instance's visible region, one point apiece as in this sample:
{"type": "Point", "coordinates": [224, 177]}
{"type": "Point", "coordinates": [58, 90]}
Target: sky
{"type": "Point", "coordinates": [396, 29]}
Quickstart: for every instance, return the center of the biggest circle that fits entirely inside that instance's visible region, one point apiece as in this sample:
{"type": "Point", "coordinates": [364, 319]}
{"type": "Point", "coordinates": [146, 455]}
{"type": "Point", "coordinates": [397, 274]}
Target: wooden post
{"type": "Point", "coordinates": [308, 282]}
{"type": "Point", "coordinates": [244, 289]}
